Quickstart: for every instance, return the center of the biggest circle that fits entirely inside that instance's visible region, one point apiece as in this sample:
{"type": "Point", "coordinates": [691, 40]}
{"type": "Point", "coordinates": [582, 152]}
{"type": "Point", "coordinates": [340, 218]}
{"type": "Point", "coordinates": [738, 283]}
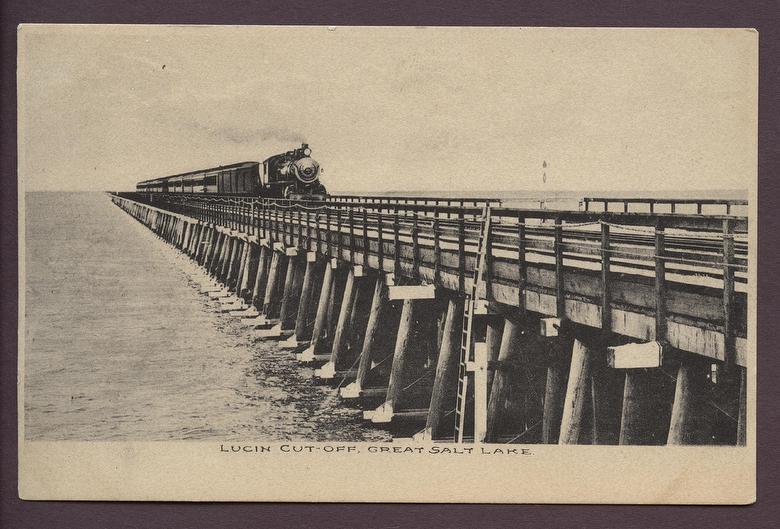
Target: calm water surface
{"type": "Point", "coordinates": [121, 346]}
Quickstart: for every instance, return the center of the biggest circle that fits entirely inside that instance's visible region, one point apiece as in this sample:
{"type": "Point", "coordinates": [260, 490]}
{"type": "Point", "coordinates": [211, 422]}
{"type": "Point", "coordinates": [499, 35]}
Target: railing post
{"type": "Point", "coordinates": [380, 239]}
{"type": "Point", "coordinates": [366, 245]}
{"type": "Point", "coordinates": [660, 284]}
{"type": "Point", "coordinates": [606, 307]}
{"type": "Point", "coordinates": [328, 236]}
{"type": "Point", "coordinates": [558, 247]}
{"type": "Point", "coordinates": [415, 246]}
{"type": "Point", "coordinates": [436, 248]}
{"type": "Point", "coordinates": [521, 266]}
{"type": "Point", "coordinates": [461, 252]}
{"type": "Point", "coordinates": [396, 246]}
{"type": "Point", "coordinates": [728, 293]}
{"type": "Point", "coordinates": [338, 233]}
{"type": "Point", "coordinates": [351, 218]}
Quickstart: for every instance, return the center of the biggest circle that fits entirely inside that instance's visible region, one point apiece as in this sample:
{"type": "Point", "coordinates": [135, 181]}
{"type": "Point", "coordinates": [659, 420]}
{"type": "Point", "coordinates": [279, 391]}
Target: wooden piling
{"type": "Point", "coordinates": [303, 326]}
{"type": "Point", "coordinates": [554, 393]}
{"type": "Point", "coordinates": [645, 412]}
{"type": "Point", "coordinates": [212, 249]}
{"type": "Point", "coordinates": [196, 243]}
{"type": "Point", "coordinates": [320, 321]}
{"type": "Point", "coordinates": [241, 268]}
{"type": "Point", "coordinates": [185, 236]}
{"type": "Point", "coordinates": [606, 401]}
{"type": "Point", "coordinates": [371, 338]}
{"type": "Point", "coordinates": [261, 277]}
{"type": "Point", "coordinates": [189, 237]}
{"type": "Point", "coordinates": [686, 409]}
{"type": "Point", "coordinates": [202, 242]}
{"type": "Point", "coordinates": [742, 418]}
{"type": "Point", "coordinates": [209, 249]}
{"type": "Point", "coordinates": [341, 337]}
{"type": "Point", "coordinates": [404, 344]}
{"type": "Point", "coordinates": [250, 271]}
{"type": "Point", "coordinates": [269, 299]}
{"type": "Point", "coordinates": [440, 422]}
{"type": "Point", "coordinates": [358, 318]}
{"type": "Point", "coordinates": [577, 392]}
{"type": "Point", "coordinates": [508, 361]}
{"type": "Point", "coordinates": [495, 329]}
{"type": "Point", "coordinates": [292, 293]}
{"type": "Point", "coordinates": [232, 267]}
{"type": "Point", "coordinates": [227, 264]}
{"type": "Point", "coordinates": [219, 250]}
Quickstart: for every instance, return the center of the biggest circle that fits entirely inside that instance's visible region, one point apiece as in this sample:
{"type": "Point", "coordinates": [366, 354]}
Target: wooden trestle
{"type": "Point", "coordinates": [582, 326]}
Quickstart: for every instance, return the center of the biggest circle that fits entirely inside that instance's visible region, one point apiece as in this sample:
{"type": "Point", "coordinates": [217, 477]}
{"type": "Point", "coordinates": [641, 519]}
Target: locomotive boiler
{"type": "Point", "coordinates": [292, 175]}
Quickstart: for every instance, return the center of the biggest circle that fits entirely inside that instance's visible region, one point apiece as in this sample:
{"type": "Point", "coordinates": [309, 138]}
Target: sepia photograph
{"type": "Point", "coordinates": [255, 259]}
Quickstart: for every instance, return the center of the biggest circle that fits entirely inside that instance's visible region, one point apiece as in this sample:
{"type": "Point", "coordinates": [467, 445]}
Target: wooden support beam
{"type": "Point", "coordinates": [242, 266]}
{"type": "Point", "coordinates": [261, 277]}
{"type": "Point", "coordinates": [341, 337]}
{"type": "Point", "coordinates": [606, 402]}
{"type": "Point", "coordinates": [303, 323]}
{"type": "Point", "coordinates": [479, 368]}
{"type": "Point", "coordinates": [522, 279]}
{"type": "Point", "coordinates": [358, 318]}
{"type": "Point", "coordinates": [743, 416]}
{"type": "Point", "coordinates": [687, 413]}
{"type": "Point", "coordinates": [319, 331]}
{"type": "Point", "coordinates": [334, 307]}
{"type": "Point", "coordinates": [207, 240]}
{"type": "Point", "coordinates": [227, 264]}
{"type": "Point", "coordinates": [411, 292]}
{"type": "Point", "coordinates": [250, 271]}
{"type": "Point", "coordinates": [215, 251]}
{"type": "Point", "coordinates": [606, 296]}
{"type": "Point", "coordinates": [660, 284]}
{"type": "Point", "coordinates": [560, 298]}
{"type": "Point", "coordinates": [371, 339]}
{"type": "Point", "coordinates": [646, 408]}
{"type": "Point", "coordinates": [232, 266]}
{"type": "Point", "coordinates": [270, 301]}
{"type": "Point", "coordinates": [635, 355]}
{"type": "Point", "coordinates": [577, 392]}
{"type": "Point", "coordinates": [493, 334]}
{"type": "Point", "coordinates": [549, 327]}
{"type": "Point", "coordinates": [440, 421]}
{"type": "Point", "coordinates": [509, 355]}
{"type": "Point", "coordinates": [292, 292]}
{"type": "Point", "coordinates": [403, 347]}
{"type": "Point", "coordinates": [728, 293]}
{"type": "Point", "coordinates": [554, 393]}
{"type": "Point", "coordinates": [199, 242]}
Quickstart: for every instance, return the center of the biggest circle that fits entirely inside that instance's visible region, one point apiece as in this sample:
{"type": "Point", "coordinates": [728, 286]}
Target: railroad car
{"type": "Point", "coordinates": [293, 174]}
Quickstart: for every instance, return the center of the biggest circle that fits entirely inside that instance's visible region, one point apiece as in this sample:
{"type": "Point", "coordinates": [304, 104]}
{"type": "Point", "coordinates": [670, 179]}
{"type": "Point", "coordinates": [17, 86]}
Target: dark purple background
{"type": "Point", "coordinates": [701, 13]}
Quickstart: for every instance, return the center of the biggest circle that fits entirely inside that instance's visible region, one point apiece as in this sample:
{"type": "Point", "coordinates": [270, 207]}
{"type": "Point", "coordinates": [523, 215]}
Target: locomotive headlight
{"type": "Point", "coordinates": [306, 169]}
{"type": "Point", "coordinates": [306, 151]}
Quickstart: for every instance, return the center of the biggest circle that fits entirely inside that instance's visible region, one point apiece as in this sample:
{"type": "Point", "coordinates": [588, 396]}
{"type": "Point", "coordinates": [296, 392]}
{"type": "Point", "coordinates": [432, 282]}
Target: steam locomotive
{"type": "Point", "coordinates": [293, 175]}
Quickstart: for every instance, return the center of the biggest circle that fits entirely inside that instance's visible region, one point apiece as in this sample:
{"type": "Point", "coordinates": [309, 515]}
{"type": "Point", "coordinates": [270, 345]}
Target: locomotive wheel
{"type": "Point", "coordinates": [288, 191]}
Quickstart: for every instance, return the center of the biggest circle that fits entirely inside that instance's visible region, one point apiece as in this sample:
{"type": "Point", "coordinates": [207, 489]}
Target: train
{"type": "Point", "coordinates": [292, 175]}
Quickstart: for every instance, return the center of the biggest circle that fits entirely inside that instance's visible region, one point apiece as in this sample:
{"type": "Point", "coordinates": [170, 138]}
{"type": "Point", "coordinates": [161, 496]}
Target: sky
{"type": "Point", "coordinates": [391, 109]}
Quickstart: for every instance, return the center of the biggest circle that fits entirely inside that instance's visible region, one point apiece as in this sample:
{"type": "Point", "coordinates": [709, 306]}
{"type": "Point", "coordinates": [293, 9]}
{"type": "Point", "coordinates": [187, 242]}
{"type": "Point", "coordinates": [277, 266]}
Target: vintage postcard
{"type": "Point", "coordinates": [387, 264]}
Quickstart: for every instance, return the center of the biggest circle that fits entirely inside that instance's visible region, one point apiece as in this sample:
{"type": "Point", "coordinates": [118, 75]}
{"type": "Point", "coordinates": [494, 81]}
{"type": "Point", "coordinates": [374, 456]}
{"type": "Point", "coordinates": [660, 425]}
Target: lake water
{"type": "Point", "coordinates": [121, 346]}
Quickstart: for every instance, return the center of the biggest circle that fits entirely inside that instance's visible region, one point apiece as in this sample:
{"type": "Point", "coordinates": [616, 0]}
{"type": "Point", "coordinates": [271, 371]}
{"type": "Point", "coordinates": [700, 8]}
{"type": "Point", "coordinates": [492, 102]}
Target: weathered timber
{"type": "Point", "coordinates": [577, 393]}
{"type": "Point", "coordinates": [303, 320]}
{"type": "Point", "coordinates": [440, 420]}
{"type": "Point", "coordinates": [319, 332]}
{"type": "Point", "coordinates": [509, 358]}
